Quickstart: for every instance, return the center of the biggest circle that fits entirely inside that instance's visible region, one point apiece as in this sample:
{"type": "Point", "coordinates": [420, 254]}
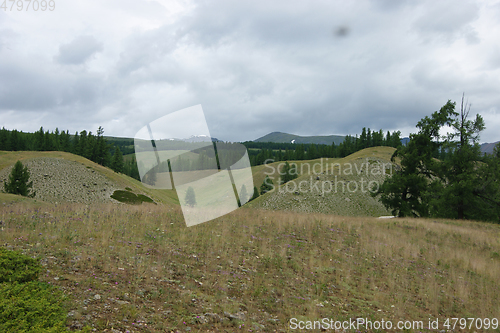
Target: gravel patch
{"type": "Point", "coordinates": [59, 180]}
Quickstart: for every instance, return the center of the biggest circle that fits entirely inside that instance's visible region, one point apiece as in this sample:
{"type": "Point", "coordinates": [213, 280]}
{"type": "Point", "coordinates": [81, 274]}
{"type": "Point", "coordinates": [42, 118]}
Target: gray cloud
{"type": "Point", "coordinates": [255, 67]}
{"type": "Point", "coordinates": [78, 50]}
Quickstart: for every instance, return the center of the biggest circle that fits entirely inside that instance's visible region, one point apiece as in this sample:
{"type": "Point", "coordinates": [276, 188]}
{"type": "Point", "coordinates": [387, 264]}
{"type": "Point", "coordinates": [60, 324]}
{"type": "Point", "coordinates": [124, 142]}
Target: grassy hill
{"type": "Point", "coordinates": [280, 137]}
{"type": "Point", "coordinates": [83, 180]}
{"type": "Point", "coordinates": [332, 186]}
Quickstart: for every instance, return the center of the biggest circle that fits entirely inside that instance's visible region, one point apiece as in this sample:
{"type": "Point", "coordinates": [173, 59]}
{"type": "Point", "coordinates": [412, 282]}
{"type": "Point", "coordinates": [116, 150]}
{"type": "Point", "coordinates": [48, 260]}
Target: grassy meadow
{"type": "Point", "coordinates": [140, 269]}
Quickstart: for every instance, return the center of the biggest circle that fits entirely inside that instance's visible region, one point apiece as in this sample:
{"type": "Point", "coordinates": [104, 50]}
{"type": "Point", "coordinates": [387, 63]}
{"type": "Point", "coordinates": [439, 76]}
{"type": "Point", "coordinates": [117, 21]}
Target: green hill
{"type": "Point", "coordinates": [65, 177]}
{"type": "Point", "coordinates": [280, 137]}
{"type": "Point", "coordinates": [331, 186]}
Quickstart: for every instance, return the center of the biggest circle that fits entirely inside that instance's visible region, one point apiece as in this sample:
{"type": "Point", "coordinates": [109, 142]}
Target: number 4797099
{"type": "Point", "coordinates": [26, 5]}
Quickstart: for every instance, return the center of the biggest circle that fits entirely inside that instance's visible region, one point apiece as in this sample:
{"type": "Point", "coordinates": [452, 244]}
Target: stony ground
{"type": "Point", "coordinates": [59, 180]}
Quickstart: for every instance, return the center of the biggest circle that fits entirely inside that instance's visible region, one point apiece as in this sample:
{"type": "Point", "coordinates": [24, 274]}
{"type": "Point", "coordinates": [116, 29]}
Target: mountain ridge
{"type": "Point", "coordinates": [280, 137]}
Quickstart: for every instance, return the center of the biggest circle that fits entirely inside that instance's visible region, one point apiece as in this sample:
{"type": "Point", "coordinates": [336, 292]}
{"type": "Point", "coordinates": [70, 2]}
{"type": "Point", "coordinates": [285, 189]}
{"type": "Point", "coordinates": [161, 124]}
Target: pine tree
{"type": "Point", "coordinates": [267, 185]}
{"type": "Point", "coordinates": [288, 172]}
{"type": "Point", "coordinates": [464, 186]}
{"type": "Point", "coordinates": [190, 198]}
{"type": "Point", "coordinates": [18, 181]}
{"type": "Point", "coordinates": [4, 139]}
{"type": "Point", "coordinates": [117, 161]}
{"type": "Point", "coordinates": [255, 193]}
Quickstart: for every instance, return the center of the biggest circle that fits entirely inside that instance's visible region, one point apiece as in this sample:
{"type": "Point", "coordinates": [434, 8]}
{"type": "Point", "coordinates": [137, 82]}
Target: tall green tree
{"type": "Point", "coordinates": [460, 171]}
{"type": "Point", "coordinates": [255, 193]}
{"type": "Point", "coordinates": [117, 161]}
{"type": "Point", "coordinates": [18, 182]}
{"type": "Point", "coordinates": [463, 186]}
{"type": "Point", "coordinates": [406, 193]}
{"type": "Point", "coordinates": [288, 172]}
{"type": "Point", "coordinates": [267, 185]}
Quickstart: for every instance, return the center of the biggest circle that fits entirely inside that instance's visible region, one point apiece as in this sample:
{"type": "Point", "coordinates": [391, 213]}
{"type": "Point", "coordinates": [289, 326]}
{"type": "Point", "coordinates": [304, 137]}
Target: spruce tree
{"type": "Point", "coordinates": [117, 161]}
{"type": "Point", "coordinates": [255, 193]}
{"type": "Point", "coordinates": [288, 172]}
{"type": "Point", "coordinates": [267, 185]}
{"type": "Point", "coordinates": [18, 182]}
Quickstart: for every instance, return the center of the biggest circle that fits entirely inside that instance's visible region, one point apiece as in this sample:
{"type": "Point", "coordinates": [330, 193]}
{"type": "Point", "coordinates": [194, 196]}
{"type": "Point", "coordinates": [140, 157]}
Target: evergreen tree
{"type": "Point", "coordinates": [312, 152]}
{"type": "Point", "coordinates": [76, 145]}
{"type": "Point", "coordinates": [363, 140]}
{"type": "Point", "coordinates": [48, 142]}
{"type": "Point", "coordinates": [464, 186]}
{"type": "Point", "coordinates": [190, 198]}
{"type": "Point", "coordinates": [14, 141]}
{"type": "Point", "coordinates": [117, 162]}
{"type": "Point", "coordinates": [18, 182]}
{"type": "Point", "coordinates": [395, 139]}
{"type": "Point", "coordinates": [288, 172]}
{"type": "Point", "coordinates": [4, 139]}
{"type": "Point", "coordinates": [460, 169]}
{"type": "Point", "coordinates": [388, 140]}
{"type": "Point", "coordinates": [39, 140]}
{"type": "Point", "coordinates": [300, 153]}
{"type": "Point", "coordinates": [255, 193]}
{"type": "Point", "coordinates": [102, 149]}
{"type": "Point", "coordinates": [267, 185]}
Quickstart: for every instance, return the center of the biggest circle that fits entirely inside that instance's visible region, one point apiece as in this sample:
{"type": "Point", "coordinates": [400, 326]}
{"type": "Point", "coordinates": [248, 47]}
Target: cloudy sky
{"type": "Point", "coordinates": [302, 67]}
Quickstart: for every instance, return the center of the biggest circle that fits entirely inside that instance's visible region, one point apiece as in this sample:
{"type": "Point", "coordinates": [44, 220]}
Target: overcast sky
{"type": "Point", "coordinates": [302, 67]}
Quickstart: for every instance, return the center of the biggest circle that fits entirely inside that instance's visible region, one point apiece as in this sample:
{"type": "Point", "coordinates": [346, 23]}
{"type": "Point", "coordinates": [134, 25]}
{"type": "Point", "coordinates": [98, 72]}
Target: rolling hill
{"type": "Point", "coordinates": [330, 186]}
{"type": "Point", "coordinates": [64, 177]}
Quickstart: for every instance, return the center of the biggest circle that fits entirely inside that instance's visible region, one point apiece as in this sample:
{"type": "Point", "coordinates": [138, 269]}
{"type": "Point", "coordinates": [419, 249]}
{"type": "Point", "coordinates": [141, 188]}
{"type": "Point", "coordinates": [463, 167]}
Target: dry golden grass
{"type": "Point", "coordinates": [261, 268]}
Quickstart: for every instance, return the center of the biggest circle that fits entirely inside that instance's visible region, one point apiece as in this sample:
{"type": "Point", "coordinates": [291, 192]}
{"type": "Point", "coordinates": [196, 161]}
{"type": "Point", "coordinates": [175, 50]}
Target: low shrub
{"type": "Point", "coordinates": [31, 307]}
{"type": "Point", "coordinates": [130, 198]}
{"type": "Point", "coordinates": [28, 305]}
{"type": "Point", "coordinates": [16, 267]}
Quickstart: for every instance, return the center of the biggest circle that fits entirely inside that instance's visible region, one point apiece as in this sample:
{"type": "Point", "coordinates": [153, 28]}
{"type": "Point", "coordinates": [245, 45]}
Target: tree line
{"type": "Point", "coordinates": [260, 152]}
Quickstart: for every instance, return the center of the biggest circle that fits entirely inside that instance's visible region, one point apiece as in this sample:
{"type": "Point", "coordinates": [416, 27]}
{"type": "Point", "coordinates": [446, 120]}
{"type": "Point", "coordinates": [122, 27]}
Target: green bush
{"type": "Point", "coordinates": [130, 198]}
{"type": "Point", "coordinates": [27, 305]}
{"type": "Point", "coordinates": [144, 198]}
{"type": "Point", "coordinates": [16, 267]}
{"type": "Point", "coordinates": [31, 307]}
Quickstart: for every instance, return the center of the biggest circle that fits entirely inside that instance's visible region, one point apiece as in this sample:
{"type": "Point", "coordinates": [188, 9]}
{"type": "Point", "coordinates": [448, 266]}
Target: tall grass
{"type": "Point", "coordinates": [253, 269]}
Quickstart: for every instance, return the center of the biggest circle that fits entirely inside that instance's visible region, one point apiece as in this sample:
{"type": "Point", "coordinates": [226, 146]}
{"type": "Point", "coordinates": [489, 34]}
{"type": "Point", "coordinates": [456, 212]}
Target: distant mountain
{"type": "Point", "coordinates": [405, 140]}
{"type": "Point", "coordinates": [487, 148]}
{"type": "Point", "coordinates": [200, 138]}
{"type": "Point", "coordinates": [280, 137]}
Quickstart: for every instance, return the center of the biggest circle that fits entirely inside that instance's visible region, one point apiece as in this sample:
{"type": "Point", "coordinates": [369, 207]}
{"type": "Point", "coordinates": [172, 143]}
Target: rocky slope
{"type": "Point", "coordinates": [59, 180]}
